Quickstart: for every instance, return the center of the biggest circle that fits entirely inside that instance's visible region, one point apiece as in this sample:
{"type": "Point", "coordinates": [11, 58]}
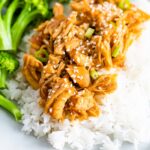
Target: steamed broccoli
{"type": "Point", "coordinates": [15, 16]}
{"type": "Point", "coordinates": [8, 64]}
{"type": "Point", "coordinates": [13, 24]}
{"type": "Point", "coordinates": [10, 107]}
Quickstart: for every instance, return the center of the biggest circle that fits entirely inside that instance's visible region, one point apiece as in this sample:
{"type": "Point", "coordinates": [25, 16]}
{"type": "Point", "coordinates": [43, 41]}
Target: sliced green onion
{"type": "Point", "coordinates": [94, 74]}
{"type": "Point", "coordinates": [89, 33]}
{"type": "Point", "coordinates": [124, 4]}
{"type": "Point", "coordinates": [41, 55]}
{"type": "Point", "coordinates": [116, 52]}
{"type": "Point", "coordinates": [10, 107]}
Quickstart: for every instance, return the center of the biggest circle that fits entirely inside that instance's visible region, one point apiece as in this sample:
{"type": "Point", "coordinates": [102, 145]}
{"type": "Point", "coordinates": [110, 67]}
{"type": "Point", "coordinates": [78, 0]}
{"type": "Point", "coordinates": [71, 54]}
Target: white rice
{"type": "Point", "coordinates": [125, 113]}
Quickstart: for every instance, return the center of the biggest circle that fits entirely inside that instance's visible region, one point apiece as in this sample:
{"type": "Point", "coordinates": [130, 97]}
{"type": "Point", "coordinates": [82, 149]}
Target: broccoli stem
{"type": "Point", "coordinates": [5, 25]}
{"type": "Point", "coordinates": [2, 3]}
{"type": "Point", "coordinates": [3, 77]}
{"type": "Point", "coordinates": [22, 22]}
{"type": "Point", "coordinates": [9, 15]}
{"type": "Point", "coordinates": [5, 37]}
{"type": "Point", "coordinates": [10, 107]}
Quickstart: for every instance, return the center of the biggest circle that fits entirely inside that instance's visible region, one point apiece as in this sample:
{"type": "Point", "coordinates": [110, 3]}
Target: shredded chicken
{"type": "Point", "coordinates": [32, 69]}
{"type": "Point", "coordinates": [104, 84]}
{"type": "Point", "coordinates": [73, 50]}
{"type": "Point", "coordinates": [79, 75]}
{"type": "Point", "coordinates": [83, 105]}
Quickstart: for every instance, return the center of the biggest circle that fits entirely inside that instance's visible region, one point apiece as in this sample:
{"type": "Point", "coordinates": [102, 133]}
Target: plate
{"type": "Point", "coordinates": [11, 137]}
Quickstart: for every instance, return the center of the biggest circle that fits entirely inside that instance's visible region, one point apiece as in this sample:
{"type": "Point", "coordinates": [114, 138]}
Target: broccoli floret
{"type": "Point", "coordinates": [8, 64]}
{"type": "Point", "coordinates": [10, 107]}
{"type": "Point", "coordinates": [12, 28]}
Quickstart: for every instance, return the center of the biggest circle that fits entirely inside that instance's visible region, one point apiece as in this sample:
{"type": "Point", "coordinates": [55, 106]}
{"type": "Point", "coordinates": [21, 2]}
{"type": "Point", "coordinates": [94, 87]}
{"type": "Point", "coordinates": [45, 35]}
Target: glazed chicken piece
{"type": "Point", "coordinates": [79, 75]}
{"type": "Point", "coordinates": [47, 84]}
{"type": "Point", "coordinates": [58, 10]}
{"type": "Point", "coordinates": [72, 43]}
{"type": "Point", "coordinates": [58, 96]}
{"type": "Point", "coordinates": [64, 37]}
{"type": "Point", "coordinates": [54, 66]}
{"type": "Point", "coordinates": [104, 84]}
{"type": "Point", "coordinates": [32, 70]}
{"type": "Point", "coordinates": [84, 104]}
{"type": "Point", "coordinates": [59, 104]}
{"type": "Point", "coordinates": [81, 59]}
{"type": "Point", "coordinates": [50, 74]}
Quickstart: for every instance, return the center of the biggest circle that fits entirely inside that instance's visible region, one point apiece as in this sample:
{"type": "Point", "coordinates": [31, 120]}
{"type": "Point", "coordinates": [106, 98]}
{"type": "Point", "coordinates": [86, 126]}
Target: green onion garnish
{"type": "Point", "coordinates": [89, 33]}
{"type": "Point", "coordinates": [124, 4]}
{"type": "Point", "coordinates": [94, 74]}
{"type": "Point", "coordinates": [116, 52]}
{"type": "Point", "coordinates": [41, 55]}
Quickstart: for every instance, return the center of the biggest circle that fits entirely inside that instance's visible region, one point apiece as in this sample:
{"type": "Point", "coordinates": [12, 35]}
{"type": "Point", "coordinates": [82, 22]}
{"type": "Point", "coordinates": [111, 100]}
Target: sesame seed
{"type": "Point", "coordinates": [51, 110]}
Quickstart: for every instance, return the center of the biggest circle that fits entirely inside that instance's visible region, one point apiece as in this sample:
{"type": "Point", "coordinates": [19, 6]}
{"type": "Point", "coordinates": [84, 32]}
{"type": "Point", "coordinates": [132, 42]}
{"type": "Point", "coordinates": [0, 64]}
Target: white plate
{"type": "Point", "coordinates": [11, 137]}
